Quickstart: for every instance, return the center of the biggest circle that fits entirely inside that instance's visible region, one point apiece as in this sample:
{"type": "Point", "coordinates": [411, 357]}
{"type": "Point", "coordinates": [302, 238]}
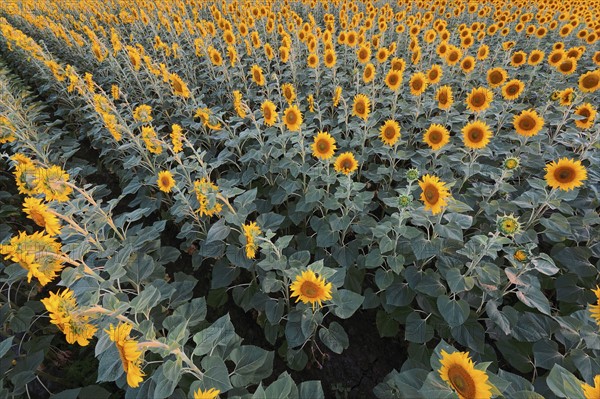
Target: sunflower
{"type": "Point", "coordinates": [251, 231]}
{"type": "Point", "coordinates": [165, 181]}
{"type": "Point", "coordinates": [363, 54]}
{"type": "Point", "coordinates": [323, 146]}
{"type": "Point", "coordinates": [479, 99]}
{"type": "Point", "coordinates": [593, 392]}
{"type": "Point", "coordinates": [284, 54]}
{"type": "Point", "coordinates": [436, 136]}
{"type": "Point", "coordinates": [588, 112]}
{"type": "Point", "coordinates": [566, 174]}
{"type": "Point", "coordinates": [176, 138]}
{"type": "Point", "coordinates": [566, 96]}
{"type": "Point", "coordinates": [483, 52]}
{"type": "Point", "coordinates": [292, 117]}
{"type": "Point", "coordinates": [215, 56]}
{"type": "Point", "coordinates": [131, 356]}
{"type": "Point", "coordinates": [311, 102]}
{"type": "Point", "coordinates": [27, 178]}
{"type": "Point", "coordinates": [535, 57]}
{"type": "Point", "coordinates": [528, 123]}
{"type": "Point", "coordinates": [434, 193]}
{"type": "Point", "coordinates": [511, 163]}
{"type": "Point", "coordinates": [312, 61]}
{"type": "Point", "coordinates": [53, 183]}
{"type": "Point", "coordinates": [393, 80]}
{"type": "Point", "coordinates": [153, 144]}
{"type": "Point", "coordinates": [418, 83]}
{"type": "Point", "coordinates": [434, 75]}
{"type": "Point", "coordinates": [458, 370]}
{"type": "Point", "coordinates": [512, 89]}
{"type": "Point", "coordinates": [521, 256]}
{"type": "Point", "coordinates": [596, 57]}
{"type": "Point", "coordinates": [361, 106]}
{"type": "Point", "coordinates": [476, 135]}
{"type": "Point", "coordinates": [329, 59]}
{"type": "Point", "coordinates": [496, 76]}
{"type": "Point", "coordinates": [208, 394]}
{"type": "Point", "coordinates": [269, 112]}
{"type": "Point", "coordinates": [38, 253]}
{"type": "Point", "coordinates": [467, 64]}
{"type": "Point", "coordinates": [179, 87]}
{"type": "Point", "coordinates": [444, 97]}
{"type": "Point", "coordinates": [7, 130]}
{"type": "Point", "coordinates": [309, 288]}
{"type": "Point", "coordinates": [595, 314]}
{"type": "Point", "coordinates": [369, 73]}
{"type": "Point", "coordinates": [508, 225]}
{"type": "Point", "coordinates": [518, 58]}
{"type": "Point", "coordinates": [337, 95]}
{"type": "Point", "coordinates": [453, 56]}
{"type": "Point", "coordinates": [398, 64]}
{"type": "Point", "coordinates": [590, 82]}
{"type": "Point", "coordinates": [257, 75]}
{"type": "Point", "coordinates": [567, 66]}
{"type": "Point", "coordinates": [288, 92]}
{"type": "Point", "coordinates": [390, 132]}
{"type": "Point", "coordinates": [345, 163]}
{"type": "Point", "coordinates": [382, 55]}
{"type": "Point", "coordinates": [37, 211]}
{"type": "Point", "coordinates": [556, 57]}
{"type": "Point", "coordinates": [143, 113]}
{"type": "Point", "coordinates": [63, 311]}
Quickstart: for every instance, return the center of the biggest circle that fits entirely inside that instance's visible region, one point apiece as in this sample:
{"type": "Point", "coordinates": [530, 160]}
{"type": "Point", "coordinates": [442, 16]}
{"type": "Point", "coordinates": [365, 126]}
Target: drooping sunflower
{"type": "Point", "coordinates": [496, 76]}
{"type": "Point", "coordinates": [513, 89]}
{"type": "Point", "coordinates": [588, 112]}
{"type": "Point", "coordinates": [208, 394]}
{"type": "Point", "coordinates": [479, 99]}
{"type": "Point", "coordinates": [165, 181]}
{"type": "Point", "coordinates": [257, 75]}
{"type": "Point", "coordinates": [476, 134]}
{"type": "Point", "coordinates": [269, 112]}
{"type": "Point", "coordinates": [37, 211]}
{"type": "Point", "coordinates": [251, 231]}
{"type": "Point", "coordinates": [27, 178]}
{"type": "Point", "coordinates": [390, 132]}
{"type": "Point", "coordinates": [434, 74]}
{"type": "Point", "coordinates": [292, 117]}
{"type": "Point", "coordinates": [206, 194]}
{"type": "Point", "coordinates": [337, 96]}
{"type": "Point", "coordinates": [566, 174]}
{"type": "Point", "coordinates": [436, 136]}
{"type": "Point", "coordinates": [461, 375]}
{"type": "Point", "coordinates": [418, 83]}
{"type": "Point", "coordinates": [468, 64]}
{"type": "Point", "coordinates": [309, 288]}
{"type": "Point", "coordinates": [592, 392]}
{"type": "Point", "coordinates": [63, 311]}
{"type": "Point", "coordinates": [434, 193]}
{"type": "Point", "coordinates": [361, 106]}
{"type": "Point", "coordinates": [131, 356]}
{"type": "Point", "coordinates": [590, 82]}
{"type": "Point", "coordinates": [566, 96]}
{"type": "Point", "coordinates": [323, 146]}
{"type": "Point", "coordinates": [444, 97]}
{"type": "Point", "coordinates": [345, 163]}
{"type": "Point", "coordinates": [595, 314]}
{"type": "Point", "coordinates": [528, 123]}
{"type": "Point", "coordinates": [369, 73]}
{"type": "Point", "coordinates": [176, 138]}
{"type": "Point", "coordinates": [53, 182]}
{"type": "Point", "coordinates": [393, 80]}
{"type": "Point", "coordinates": [179, 87]}
{"type": "Point", "coordinates": [142, 113]}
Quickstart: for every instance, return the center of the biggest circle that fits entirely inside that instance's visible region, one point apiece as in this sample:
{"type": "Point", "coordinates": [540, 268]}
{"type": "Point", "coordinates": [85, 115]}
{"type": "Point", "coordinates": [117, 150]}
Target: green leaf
{"type": "Point", "coordinates": [546, 354]}
{"type": "Point", "coordinates": [311, 390]}
{"type": "Point", "coordinates": [5, 346]}
{"type": "Point", "coordinates": [457, 282]}
{"type": "Point", "coordinates": [215, 373]}
{"type": "Point", "coordinates": [166, 378]}
{"type": "Point", "coordinates": [139, 267]}
{"type": "Point", "coordinates": [146, 300]}
{"type": "Point", "coordinates": [67, 394]}
{"type": "Point", "coordinates": [252, 364]}
{"type": "Point", "coordinates": [386, 325]}
{"type": "Point", "coordinates": [217, 232]}
{"type": "Point", "coordinates": [544, 264]}
{"type": "Point", "coordinates": [564, 384]}
{"type": "Point", "coordinates": [283, 388]}
{"type": "Point", "coordinates": [334, 337]}
{"type": "Point", "coordinates": [417, 329]}
{"type": "Point", "coordinates": [347, 302]}
{"type": "Point", "coordinates": [454, 312]}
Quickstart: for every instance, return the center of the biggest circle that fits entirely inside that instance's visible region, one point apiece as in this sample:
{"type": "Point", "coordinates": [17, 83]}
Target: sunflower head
{"type": "Point", "coordinates": [521, 256]}
{"type": "Point", "coordinates": [528, 123]}
{"type": "Point", "coordinates": [369, 73]}
{"type": "Point", "coordinates": [257, 75]}
{"type": "Point", "coordinates": [458, 370]}
{"type": "Point", "coordinates": [405, 200]}
{"type": "Point", "coordinates": [323, 146]}
{"type": "Point", "coordinates": [566, 174]}
{"type": "Point", "coordinates": [595, 313]}
{"type": "Point", "coordinates": [436, 136]}
{"type": "Point", "coordinates": [39, 212]}
{"type": "Point", "coordinates": [511, 163]}
{"type": "Point", "coordinates": [508, 225]}
{"type": "Point", "coordinates": [496, 76]}
{"type": "Point", "coordinates": [346, 163]}
{"type": "Point", "coordinates": [587, 114]}
{"type": "Point", "coordinates": [418, 83]}
{"type": "Point", "coordinates": [208, 394]}
{"type": "Point", "coordinates": [393, 80]}
{"type": "Point", "coordinates": [434, 193]}
{"type": "Point", "coordinates": [269, 112]}
{"type": "Point", "coordinates": [590, 82]}
{"type": "Point", "coordinates": [444, 97]}
{"type": "Point", "coordinates": [476, 135]}
{"type": "Point", "coordinates": [390, 132]}
{"type": "Point", "coordinates": [512, 89]}
{"type": "Point", "coordinates": [361, 106]}
{"type": "Point", "coordinates": [165, 181]}
{"type": "Point", "coordinates": [251, 231]}
{"type": "Point", "coordinates": [292, 117]}
{"type": "Point", "coordinates": [311, 289]}
{"type": "Point", "coordinates": [479, 99]}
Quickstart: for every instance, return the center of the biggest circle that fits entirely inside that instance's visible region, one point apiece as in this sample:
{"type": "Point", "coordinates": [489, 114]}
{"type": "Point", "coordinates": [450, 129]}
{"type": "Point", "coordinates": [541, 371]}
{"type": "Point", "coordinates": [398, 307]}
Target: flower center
{"type": "Point", "coordinates": [267, 112]}
{"type": "Point", "coordinates": [360, 108]}
{"type": "Point", "coordinates": [389, 132]}
{"type": "Point", "coordinates": [310, 289]}
{"type": "Point", "coordinates": [435, 137]}
{"type": "Point", "coordinates": [462, 382]}
{"type": "Point", "coordinates": [431, 194]}
{"type": "Point", "coordinates": [527, 123]}
{"type": "Point", "coordinates": [564, 174]}
{"type": "Point", "coordinates": [393, 79]}
{"type": "Point", "coordinates": [165, 181]}
{"type": "Point", "coordinates": [476, 135]}
{"type": "Point", "coordinates": [38, 218]}
{"type": "Point", "coordinates": [518, 58]}
{"type": "Point", "coordinates": [512, 89]}
{"type": "Point", "coordinates": [443, 99]}
{"type": "Point", "coordinates": [347, 164]}
{"type": "Point", "coordinates": [433, 74]}
{"type": "Point", "coordinates": [495, 77]}
{"type": "Point", "coordinates": [417, 84]}
{"type": "Point", "coordinates": [590, 81]}
{"type": "Point", "coordinates": [467, 64]}
{"type": "Point", "coordinates": [478, 99]}
{"type": "Point", "coordinates": [257, 75]}
{"type": "Point", "coordinates": [586, 113]}
{"type": "Point", "coordinates": [323, 146]}
{"type": "Point", "coordinates": [291, 118]}
{"type": "Point", "coordinates": [453, 56]}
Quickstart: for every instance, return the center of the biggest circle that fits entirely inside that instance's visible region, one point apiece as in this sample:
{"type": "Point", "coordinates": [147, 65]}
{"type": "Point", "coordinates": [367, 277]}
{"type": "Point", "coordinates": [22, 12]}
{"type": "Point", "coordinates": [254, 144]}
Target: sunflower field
{"type": "Point", "coordinates": [299, 199]}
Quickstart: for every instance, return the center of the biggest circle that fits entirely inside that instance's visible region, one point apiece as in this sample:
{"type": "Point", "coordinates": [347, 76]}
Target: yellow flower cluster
{"type": "Point", "coordinates": [66, 315]}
